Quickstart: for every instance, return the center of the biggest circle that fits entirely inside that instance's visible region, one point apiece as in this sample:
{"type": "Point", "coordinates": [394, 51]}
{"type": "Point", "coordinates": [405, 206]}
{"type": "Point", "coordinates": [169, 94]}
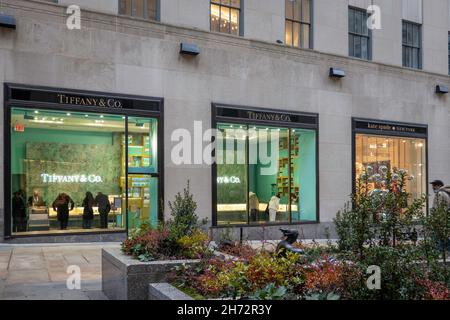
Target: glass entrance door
{"type": "Point", "coordinates": [141, 160]}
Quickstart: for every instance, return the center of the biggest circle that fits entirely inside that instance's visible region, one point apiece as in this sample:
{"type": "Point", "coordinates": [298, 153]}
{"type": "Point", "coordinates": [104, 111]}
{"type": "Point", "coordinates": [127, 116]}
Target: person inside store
{"type": "Point", "coordinates": [274, 205]}
{"type": "Point", "coordinates": [104, 207]}
{"type": "Point", "coordinates": [88, 211]}
{"type": "Point", "coordinates": [19, 212]}
{"type": "Point", "coordinates": [36, 200]}
{"type": "Point", "coordinates": [63, 205]}
{"type": "Point", "coordinates": [253, 203]}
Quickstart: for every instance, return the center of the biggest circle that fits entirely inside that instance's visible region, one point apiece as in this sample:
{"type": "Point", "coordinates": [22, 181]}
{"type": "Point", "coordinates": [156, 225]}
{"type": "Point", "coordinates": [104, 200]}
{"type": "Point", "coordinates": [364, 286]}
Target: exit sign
{"type": "Point", "coordinates": [19, 127]}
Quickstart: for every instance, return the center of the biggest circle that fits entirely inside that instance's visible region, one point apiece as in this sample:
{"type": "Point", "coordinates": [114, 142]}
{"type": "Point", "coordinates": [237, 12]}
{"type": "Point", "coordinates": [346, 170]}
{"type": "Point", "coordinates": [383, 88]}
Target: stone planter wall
{"type": "Point", "coordinates": [165, 291]}
{"type": "Point", "coordinates": [125, 278]}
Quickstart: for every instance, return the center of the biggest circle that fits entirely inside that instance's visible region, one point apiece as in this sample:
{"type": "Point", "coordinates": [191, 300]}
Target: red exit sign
{"type": "Point", "coordinates": [19, 127]}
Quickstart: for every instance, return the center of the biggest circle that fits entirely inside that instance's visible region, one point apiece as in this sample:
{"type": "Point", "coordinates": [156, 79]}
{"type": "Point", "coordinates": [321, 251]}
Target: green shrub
{"type": "Point", "coordinates": [184, 220]}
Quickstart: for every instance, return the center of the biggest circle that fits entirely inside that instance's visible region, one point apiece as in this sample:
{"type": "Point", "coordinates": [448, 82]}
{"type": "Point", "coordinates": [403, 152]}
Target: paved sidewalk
{"type": "Point", "coordinates": [39, 272]}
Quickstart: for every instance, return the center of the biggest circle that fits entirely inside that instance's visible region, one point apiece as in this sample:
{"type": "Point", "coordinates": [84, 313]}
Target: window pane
{"type": "Point", "coordinates": [289, 9]}
{"type": "Point", "coordinates": [296, 36]}
{"type": "Point", "coordinates": [225, 19]}
{"type": "Point", "coordinates": [408, 57]}
{"type": "Point", "coordinates": [364, 48]}
{"type": "Point", "coordinates": [235, 21]}
{"type": "Point", "coordinates": [143, 200]}
{"type": "Point", "coordinates": [351, 20]}
{"type": "Point", "coordinates": [365, 30]}
{"type": "Point", "coordinates": [376, 155]}
{"type": "Point", "coordinates": [351, 45]}
{"type": "Point", "coordinates": [215, 1]}
{"type": "Point", "coordinates": [125, 7]}
{"type": "Point", "coordinates": [289, 40]}
{"type": "Point", "coordinates": [404, 33]}
{"type": "Point", "coordinates": [215, 18]}
{"type": "Point", "coordinates": [138, 8]}
{"type": "Point", "coordinates": [303, 175]}
{"type": "Point", "coordinates": [142, 145]}
{"type": "Point", "coordinates": [404, 56]}
{"type": "Point", "coordinates": [306, 11]}
{"type": "Point", "coordinates": [297, 10]}
{"type": "Point", "coordinates": [305, 36]}
{"type": "Point", "coordinates": [268, 175]}
{"type": "Point", "coordinates": [409, 34]}
{"type": "Point", "coordinates": [53, 183]}
{"type": "Point", "coordinates": [417, 58]}
{"type": "Point", "coordinates": [232, 175]}
{"type": "Point", "coordinates": [358, 22]}
{"type": "Point", "coordinates": [151, 9]}
{"type": "Point", "coordinates": [357, 47]}
{"type": "Point", "coordinates": [226, 2]}
{"type": "Point", "coordinates": [416, 37]}
{"type": "Point", "coordinates": [236, 3]}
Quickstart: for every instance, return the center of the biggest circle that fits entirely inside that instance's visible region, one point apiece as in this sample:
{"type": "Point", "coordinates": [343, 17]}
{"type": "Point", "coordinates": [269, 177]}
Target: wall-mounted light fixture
{"type": "Point", "coordinates": [7, 21]}
{"type": "Point", "coordinates": [337, 73]}
{"type": "Point", "coordinates": [441, 89]}
{"type": "Point", "coordinates": [190, 49]}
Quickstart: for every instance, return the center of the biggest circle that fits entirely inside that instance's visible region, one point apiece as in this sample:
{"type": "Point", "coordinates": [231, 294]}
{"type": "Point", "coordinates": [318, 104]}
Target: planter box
{"type": "Point", "coordinates": [125, 278]}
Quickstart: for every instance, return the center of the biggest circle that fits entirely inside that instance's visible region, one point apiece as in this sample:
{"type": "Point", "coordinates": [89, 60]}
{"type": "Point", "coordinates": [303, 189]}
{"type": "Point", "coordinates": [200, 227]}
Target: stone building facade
{"type": "Point", "coordinates": [122, 55]}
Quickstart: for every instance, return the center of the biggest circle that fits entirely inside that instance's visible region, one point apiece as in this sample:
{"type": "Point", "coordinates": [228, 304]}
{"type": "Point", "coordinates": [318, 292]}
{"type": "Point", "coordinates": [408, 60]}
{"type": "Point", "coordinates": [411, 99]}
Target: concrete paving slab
{"type": "Point", "coordinates": [27, 276]}
{"type": "Point", "coordinates": [39, 272]}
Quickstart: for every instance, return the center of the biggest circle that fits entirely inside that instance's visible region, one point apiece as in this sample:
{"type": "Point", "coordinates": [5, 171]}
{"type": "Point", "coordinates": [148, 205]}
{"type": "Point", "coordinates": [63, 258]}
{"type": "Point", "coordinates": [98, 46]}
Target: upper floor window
{"type": "Point", "coordinates": [298, 23]}
{"type": "Point", "coordinates": [359, 35]}
{"type": "Point", "coordinates": [225, 16]}
{"type": "Point", "coordinates": [146, 9]}
{"type": "Point", "coordinates": [412, 55]}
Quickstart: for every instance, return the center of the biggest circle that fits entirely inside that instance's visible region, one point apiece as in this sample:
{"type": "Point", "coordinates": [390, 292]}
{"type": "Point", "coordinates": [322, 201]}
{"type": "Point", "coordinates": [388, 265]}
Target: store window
{"type": "Point", "coordinates": [265, 174]}
{"type": "Point", "coordinates": [69, 171]}
{"type": "Point", "coordinates": [225, 16]}
{"type": "Point", "coordinates": [146, 9]}
{"type": "Point", "coordinates": [380, 153]}
{"type": "Point", "coordinates": [298, 23]}
{"type": "Point", "coordinates": [412, 52]}
{"type": "Point", "coordinates": [359, 34]}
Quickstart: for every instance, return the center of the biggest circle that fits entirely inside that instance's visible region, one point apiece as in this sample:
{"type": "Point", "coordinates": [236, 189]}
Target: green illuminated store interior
{"type": "Point", "coordinates": [55, 152]}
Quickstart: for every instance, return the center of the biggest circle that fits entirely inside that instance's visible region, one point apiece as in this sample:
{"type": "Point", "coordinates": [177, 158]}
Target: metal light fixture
{"type": "Point", "coordinates": [337, 73]}
{"type": "Point", "coordinates": [441, 89]}
{"type": "Point", "coordinates": [7, 21]}
{"type": "Point", "coordinates": [190, 49]}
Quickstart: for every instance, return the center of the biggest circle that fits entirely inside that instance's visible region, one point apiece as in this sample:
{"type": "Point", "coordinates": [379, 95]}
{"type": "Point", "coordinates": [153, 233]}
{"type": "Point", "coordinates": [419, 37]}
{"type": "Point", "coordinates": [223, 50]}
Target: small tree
{"type": "Point", "coordinates": [436, 228]}
{"type": "Point", "coordinates": [184, 220]}
{"type": "Point", "coordinates": [354, 224]}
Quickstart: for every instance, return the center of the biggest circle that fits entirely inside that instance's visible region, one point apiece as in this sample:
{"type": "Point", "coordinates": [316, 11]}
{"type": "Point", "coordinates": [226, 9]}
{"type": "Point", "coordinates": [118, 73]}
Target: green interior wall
{"type": "Point", "coordinates": [19, 140]}
{"type": "Point", "coordinates": [65, 153]}
{"type": "Point", "coordinates": [305, 176]}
